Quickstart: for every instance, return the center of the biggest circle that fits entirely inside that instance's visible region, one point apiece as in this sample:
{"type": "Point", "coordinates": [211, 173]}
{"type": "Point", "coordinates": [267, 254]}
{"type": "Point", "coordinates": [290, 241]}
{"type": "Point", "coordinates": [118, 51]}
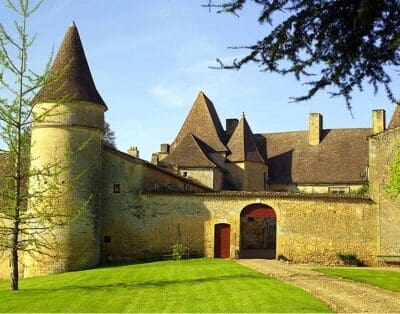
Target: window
{"type": "Point", "coordinates": [117, 188]}
{"type": "Point", "coordinates": [185, 174]}
{"type": "Point", "coordinates": [339, 190]}
{"type": "Point", "coordinates": [107, 239]}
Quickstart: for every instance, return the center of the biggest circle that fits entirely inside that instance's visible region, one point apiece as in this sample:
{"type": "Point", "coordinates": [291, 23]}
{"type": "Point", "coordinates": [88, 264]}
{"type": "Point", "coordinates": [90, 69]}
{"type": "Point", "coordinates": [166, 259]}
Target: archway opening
{"type": "Point", "coordinates": [257, 232]}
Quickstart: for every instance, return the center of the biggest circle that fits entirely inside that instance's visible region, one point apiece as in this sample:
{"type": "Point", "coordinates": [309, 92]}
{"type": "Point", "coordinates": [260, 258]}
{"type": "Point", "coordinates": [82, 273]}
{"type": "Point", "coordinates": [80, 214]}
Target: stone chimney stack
{"type": "Point", "coordinates": [155, 159]}
{"type": "Point", "coordinates": [164, 151]}
{"type": "Point", "coordinates": [315, 128]}
{"type": "Point", "coordinates": [378, 121]}
{"type": "Point", "coordinates": [133, 151]}
{"type": "Point", "coordinates": [231, 126]}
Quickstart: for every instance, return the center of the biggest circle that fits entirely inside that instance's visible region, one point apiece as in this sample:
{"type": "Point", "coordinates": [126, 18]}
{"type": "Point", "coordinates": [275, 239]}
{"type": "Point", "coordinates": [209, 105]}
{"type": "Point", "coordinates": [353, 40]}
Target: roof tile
{"type": "Point", "coordinates": [70, 77]}
{"type": "Point", "coordinates": [203, 122]}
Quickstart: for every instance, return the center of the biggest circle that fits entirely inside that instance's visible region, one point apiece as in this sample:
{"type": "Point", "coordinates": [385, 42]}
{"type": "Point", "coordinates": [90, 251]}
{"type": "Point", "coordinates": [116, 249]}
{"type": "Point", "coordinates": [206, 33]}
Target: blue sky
{"type": "Point", "coordinates": [149, 59]}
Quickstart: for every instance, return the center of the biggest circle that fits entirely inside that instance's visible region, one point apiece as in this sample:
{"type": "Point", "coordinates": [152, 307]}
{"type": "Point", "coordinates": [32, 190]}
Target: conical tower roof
{"type": "Point", "coordinates": [203, 122]}
{"type": "Point", "coordinates": [395, 121]}
{"type": "Point", "coordinates": [70, 77]}
{"type": "Point", "coordinates": [242, 144]}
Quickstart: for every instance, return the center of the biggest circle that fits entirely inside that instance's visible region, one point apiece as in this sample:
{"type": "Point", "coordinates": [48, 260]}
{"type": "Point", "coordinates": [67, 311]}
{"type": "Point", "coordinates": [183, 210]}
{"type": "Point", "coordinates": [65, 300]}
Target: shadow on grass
{"type": "Point", "coordinates": [130, 285]}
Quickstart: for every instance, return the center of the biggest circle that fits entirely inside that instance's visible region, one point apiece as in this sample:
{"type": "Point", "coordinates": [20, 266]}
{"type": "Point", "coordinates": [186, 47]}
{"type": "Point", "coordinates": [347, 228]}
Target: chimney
{"type": "Point", "coordinates": [154, 159]}
{"type": "Point", "coordinates": [231, 126]}
{"type": "Point", "coordinates": [133, 151]}
{"type": "Point", "coordinates": [378, 121]}
{"type": "Point", "coordinates": [315, 128]}
{"type": "Point", "coordinates": [164, 149]}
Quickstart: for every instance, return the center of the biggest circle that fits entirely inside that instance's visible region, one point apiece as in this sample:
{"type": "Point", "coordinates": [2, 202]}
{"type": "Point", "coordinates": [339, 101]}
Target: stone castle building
{"type": "Point", "coordinates": [223, 193]}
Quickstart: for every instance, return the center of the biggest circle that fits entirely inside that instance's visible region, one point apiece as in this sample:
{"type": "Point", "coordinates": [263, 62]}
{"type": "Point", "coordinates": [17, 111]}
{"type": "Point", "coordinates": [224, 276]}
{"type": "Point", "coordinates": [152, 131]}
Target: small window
{"type": "Point", "coordinates": [339, 190]}
{"type": "Point", "coordinates": [185, 174]}
{"type": "Point", "coordinates": [117, 188]}
{"type": "Point", "coordinates": [107, 239]}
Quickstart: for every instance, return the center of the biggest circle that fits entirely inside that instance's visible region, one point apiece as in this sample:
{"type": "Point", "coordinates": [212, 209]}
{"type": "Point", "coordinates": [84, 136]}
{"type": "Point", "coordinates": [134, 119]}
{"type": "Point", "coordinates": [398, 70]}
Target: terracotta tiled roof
{"type": "Point", "coordinates": [190, 152]}
{"type": "Point", "coordinates": [341, 157]}
{"type": "Point", "coordinates": [203, 122]}
{"type": "Point", "coordinates": [70, 77]}
{"type": "Point", "coordinates": [242, 144]}
{"type": "Point", "coordinates": [273, 195]}
{"type": "Point", "coordinates": [395, 121]}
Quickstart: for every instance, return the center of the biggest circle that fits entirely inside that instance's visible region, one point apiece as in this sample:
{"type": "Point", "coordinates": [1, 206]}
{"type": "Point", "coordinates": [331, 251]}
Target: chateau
{"type": "Point", "coordinates": [224, 193]}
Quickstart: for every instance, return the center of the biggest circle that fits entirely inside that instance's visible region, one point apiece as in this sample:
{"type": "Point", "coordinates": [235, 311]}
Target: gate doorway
{"type": "Point", "coordinates": [257, 232]}
{"type": "Point", "coordinates": [222, 241]}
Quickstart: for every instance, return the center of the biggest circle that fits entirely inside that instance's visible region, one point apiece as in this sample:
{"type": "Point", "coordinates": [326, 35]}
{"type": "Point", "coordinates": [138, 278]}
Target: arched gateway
{"type": "Point", "coordinates": [257, 232]}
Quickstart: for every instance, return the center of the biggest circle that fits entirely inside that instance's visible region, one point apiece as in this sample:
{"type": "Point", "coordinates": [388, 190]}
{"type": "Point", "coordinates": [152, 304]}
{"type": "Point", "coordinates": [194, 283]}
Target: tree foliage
{"type": "Point", "coordinates": [23, 230]}
{"type": "Point", "coordinates": [348, 42]}
{"type": "Point", "coordinates": [393, 184]}
{"type": "Point", "coordinates": [109, 135]}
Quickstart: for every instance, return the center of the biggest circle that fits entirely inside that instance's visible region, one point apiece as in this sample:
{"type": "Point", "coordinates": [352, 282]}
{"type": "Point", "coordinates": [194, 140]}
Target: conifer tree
{"type": "Point", "coordinates": [22, 231]}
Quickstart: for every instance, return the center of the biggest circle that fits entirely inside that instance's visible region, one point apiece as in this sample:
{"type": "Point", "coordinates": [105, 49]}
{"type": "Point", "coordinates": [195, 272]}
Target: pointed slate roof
{"type": "Point", "coordinates": [70, 77]}
{"type": "Point", "coordinates": [190, 152]}
{"type": "Point", "coordinates": [395, 121]}
{"type": "Point", "coordinates": [203, 122]}
{"type": "Point", "coordinates": [242, 144]}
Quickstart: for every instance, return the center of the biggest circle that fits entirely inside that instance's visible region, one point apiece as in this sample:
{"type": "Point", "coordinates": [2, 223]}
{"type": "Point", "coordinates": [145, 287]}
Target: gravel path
{"type": "Point", "coordinates": [344, 296]}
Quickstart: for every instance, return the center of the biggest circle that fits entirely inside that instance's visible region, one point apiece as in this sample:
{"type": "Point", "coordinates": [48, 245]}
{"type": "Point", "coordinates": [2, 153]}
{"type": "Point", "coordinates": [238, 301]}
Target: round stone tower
{"type": "Point", "coordinates": [67, 130]}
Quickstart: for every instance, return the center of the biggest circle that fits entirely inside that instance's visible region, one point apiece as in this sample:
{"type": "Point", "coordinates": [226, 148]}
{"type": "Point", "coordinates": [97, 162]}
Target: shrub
{"type": "Point", "coordinates": [179, 251]}
{"type": "Point", "coordinates": [348, 258]}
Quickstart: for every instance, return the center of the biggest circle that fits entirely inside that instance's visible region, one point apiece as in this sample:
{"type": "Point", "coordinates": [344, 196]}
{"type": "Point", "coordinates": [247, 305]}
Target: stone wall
{"type": "Point", "coordinates": [247, 176]}
{"type": "Point", "coordinates": [310, 228]}
{"type": "Point", "coordinates": [126, 224]}
{"type": "Point", "coordinates": [203, 176]}
{"type": "Point", "coordinates": [382, 151]}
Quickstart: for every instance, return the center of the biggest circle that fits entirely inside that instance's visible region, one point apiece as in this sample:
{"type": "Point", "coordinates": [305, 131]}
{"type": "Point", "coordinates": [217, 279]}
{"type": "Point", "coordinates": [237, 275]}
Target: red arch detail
{"type": "Point", "coordinates": [258, 210]}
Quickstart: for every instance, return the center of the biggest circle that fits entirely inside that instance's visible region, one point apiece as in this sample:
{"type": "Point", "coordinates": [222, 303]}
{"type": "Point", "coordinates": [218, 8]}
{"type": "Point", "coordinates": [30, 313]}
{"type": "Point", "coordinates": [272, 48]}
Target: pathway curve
{"type": "Point", "coordinates": [341, 295]}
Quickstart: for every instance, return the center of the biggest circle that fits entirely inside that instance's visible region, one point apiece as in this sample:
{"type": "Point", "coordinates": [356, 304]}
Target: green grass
{"type": "Point", "coordinates": [385, 279]}
{"type": "Point", "coordinates": [174, 286]}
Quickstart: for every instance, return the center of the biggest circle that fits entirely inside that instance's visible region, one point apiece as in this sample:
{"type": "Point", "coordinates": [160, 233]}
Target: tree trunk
{"type": "Point", "coordinates": [14, 262]}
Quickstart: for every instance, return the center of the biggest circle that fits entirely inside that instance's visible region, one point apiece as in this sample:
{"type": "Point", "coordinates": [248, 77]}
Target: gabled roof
{"type": "Point", "coordinates": [242, 144]}
{"type": "Point", "coordinates": [203, 122]}
{"type": "Point", "coordinates": [190, 152]}
{"type": "Point", "coordinates": [70, 77]}
{"type": "Point", "coordinates": [341, 157]}
{"type": "Point", "coordinates": [395, 121]}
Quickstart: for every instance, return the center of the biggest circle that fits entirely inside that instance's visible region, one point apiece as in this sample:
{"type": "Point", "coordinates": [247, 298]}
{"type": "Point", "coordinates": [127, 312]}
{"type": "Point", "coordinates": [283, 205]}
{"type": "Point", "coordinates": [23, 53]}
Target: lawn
{"type": "Point", "coordinates": [199, 285]}
{"type": "Point", "coordinates": [385, 279]}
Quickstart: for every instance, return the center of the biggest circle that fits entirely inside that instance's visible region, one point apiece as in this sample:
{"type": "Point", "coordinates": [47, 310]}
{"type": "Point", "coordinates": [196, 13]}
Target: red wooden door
{"type": "Point", "coordinates": [222, 241]}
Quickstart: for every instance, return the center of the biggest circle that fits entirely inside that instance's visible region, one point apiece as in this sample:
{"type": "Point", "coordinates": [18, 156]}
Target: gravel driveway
{"type": "Point", "coordinates": [344, 296]}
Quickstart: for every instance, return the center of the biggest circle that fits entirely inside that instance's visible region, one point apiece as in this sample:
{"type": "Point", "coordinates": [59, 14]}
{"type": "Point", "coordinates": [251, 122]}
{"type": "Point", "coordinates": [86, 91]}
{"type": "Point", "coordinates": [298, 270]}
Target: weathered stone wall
{"type": "Point", "coordinates": [254, 176]}
{"type": "Point", "coordinates": [203, 176]}
{"type": "Point", "coordinates": [382, 149]}
{"type": "Point", "coordinates": [339, 188]}
{"type": "Point", "coordinates": [309, 228]}
{"type": "Point", "coordinates": [74, 193]}
{"type": "Point", "coordinates": [126, 225]}
{"type": "Point", "coordinates": [68, 142]}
